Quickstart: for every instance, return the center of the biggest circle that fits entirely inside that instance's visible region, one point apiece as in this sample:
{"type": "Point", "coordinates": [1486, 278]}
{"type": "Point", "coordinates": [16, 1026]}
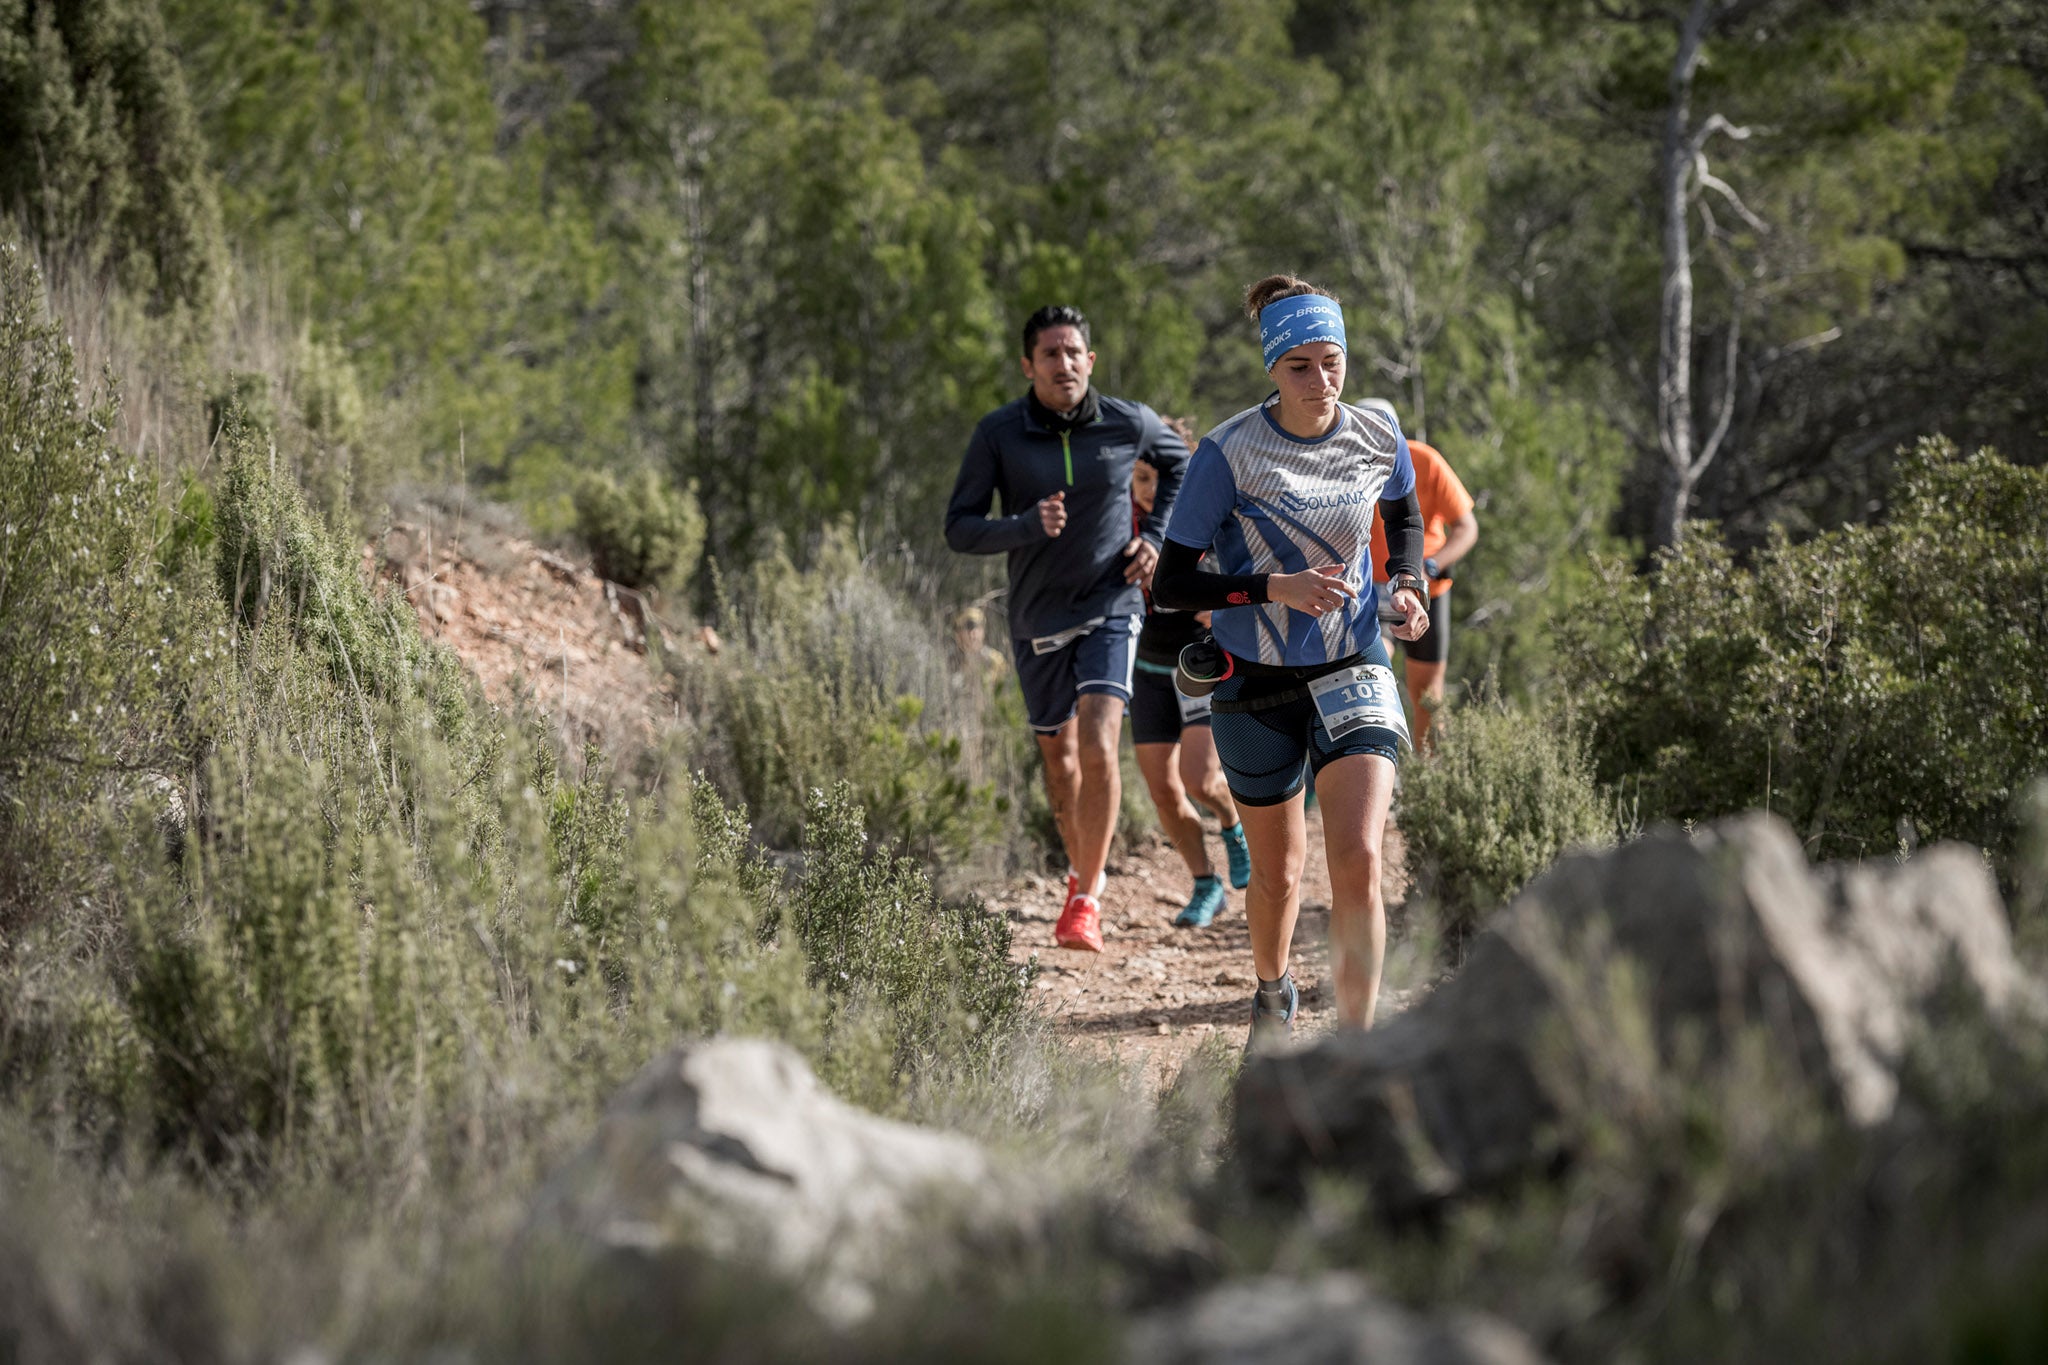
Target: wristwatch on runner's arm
{"type": "Point", "coordinates": [1412, 583]}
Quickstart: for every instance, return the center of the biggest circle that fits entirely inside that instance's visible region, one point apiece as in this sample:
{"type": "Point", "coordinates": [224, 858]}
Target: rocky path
{"type": "Point", "coordinates": [1157, 992]}
{"type": "Point", "coordinates": [530, 622]}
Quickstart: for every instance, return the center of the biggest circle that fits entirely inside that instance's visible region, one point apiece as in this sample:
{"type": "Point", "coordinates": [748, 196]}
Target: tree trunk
{"type": "Point", "coordinates": [1674, 350]}
{"type": "Point", "coordinates": [703, 357]}
{"type": "Point", "coordinates": [687, 152]}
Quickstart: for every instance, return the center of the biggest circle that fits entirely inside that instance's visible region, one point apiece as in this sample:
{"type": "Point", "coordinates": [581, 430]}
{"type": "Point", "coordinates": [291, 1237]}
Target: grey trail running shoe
{"type": "Point", "coordinates": [1273, 1018]}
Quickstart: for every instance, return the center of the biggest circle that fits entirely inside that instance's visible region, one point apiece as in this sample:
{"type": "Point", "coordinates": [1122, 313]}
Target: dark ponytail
{"type": "Point", "coordinates": [1276, 287]}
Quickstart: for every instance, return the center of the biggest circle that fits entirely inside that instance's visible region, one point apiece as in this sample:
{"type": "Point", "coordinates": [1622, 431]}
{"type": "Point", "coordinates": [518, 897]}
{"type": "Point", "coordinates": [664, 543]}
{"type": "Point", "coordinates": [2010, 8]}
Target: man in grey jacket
{"type": "Point", "coordinates": [1060, 459]}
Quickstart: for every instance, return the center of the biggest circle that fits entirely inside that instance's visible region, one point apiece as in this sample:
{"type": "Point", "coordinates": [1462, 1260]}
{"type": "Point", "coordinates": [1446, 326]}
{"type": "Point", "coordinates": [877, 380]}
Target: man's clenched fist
{"type": "Point", "coordinates": [1052, 514]}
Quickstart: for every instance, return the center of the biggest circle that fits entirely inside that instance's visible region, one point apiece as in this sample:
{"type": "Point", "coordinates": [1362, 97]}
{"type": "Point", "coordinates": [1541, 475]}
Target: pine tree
{"type": "Point", "coordinates": [100, 152]}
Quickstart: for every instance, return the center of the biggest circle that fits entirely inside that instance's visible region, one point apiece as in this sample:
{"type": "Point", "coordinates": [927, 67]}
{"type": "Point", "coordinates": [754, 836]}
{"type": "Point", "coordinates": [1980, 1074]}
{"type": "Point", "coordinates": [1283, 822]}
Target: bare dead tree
{"type": "Point", "coordinates": [1686, 179]}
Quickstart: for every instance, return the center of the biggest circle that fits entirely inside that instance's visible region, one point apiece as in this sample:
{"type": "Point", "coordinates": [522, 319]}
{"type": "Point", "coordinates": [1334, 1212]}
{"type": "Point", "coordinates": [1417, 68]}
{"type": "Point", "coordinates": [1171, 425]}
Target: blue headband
{"type": "Point", "coordinates": [1287, 323]}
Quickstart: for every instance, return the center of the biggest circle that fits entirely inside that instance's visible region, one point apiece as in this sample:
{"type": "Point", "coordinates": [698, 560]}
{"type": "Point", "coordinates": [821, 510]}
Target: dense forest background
{"type": "Point", "coordinates": [777, 251]}
{"type": "Point", "coordinates": [1732, 314]}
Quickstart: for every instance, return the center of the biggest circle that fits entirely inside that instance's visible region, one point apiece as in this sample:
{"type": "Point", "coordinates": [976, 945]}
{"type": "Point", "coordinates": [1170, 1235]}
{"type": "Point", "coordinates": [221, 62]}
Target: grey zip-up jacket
{"type": "Point", "coordinates": [1056, 584]}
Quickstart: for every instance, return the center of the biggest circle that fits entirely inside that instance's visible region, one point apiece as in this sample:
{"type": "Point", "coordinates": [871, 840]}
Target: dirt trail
{"type": "Point", "coordinates": [1157, 992]}
{"type": "Point", "coordinates": [527, 621]}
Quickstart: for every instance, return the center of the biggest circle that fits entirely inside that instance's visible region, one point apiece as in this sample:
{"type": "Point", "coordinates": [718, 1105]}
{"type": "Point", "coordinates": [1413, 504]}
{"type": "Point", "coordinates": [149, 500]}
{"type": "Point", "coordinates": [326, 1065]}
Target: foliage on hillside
{"type": "Point", "coordinates": [1878, 685]}
{"type": "Point", "coordinates": [104, 156]}
{"type": "Point", "coordinates": [92, 678]}
{"type": "Point", "coordinates": [796, 282]}
{"type": "Point", "coordinates": [1501, 794]}
{"type": "Point", "coordinates": [355, 922]}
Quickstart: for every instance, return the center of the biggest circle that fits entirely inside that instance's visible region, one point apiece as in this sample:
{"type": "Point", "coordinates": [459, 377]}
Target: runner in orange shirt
{"type": "Point", "coordinates": [1449, 530]}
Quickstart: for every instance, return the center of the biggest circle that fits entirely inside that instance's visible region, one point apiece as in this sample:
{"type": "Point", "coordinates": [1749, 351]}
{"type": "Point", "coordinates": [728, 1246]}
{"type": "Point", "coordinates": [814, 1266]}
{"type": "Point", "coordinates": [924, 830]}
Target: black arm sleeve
{"type": "Point", "coordinates": [1180, 584]}
{"type": "Point", "coordinates": [1168, 454]}
{"type": "Point", "coordinates": [1403, 519]}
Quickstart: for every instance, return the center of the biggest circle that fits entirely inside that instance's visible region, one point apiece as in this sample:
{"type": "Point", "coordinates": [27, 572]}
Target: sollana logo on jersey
{"type": "Point", "coordinates": [1317, 502]}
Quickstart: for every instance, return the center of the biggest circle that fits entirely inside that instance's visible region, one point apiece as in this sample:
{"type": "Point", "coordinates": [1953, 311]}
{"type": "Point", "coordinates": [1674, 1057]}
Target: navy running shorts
{"type": "Point", "coordinates": [1268, 751]}
{"type": "Point", "coordinates": [1158, 711]}
{"type": "Point", "coordinates": [1054, 682]}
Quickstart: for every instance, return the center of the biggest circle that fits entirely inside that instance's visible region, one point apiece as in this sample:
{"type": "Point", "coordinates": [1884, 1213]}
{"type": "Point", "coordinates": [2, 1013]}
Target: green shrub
{"type": "Point", "coordinates": [642, 533]}
{"type": "Point", "coordinates": [831, 676]}
{"type": "Point", "coordinates": [400, 938]}
{"type": "Point", "coordinates": [95, 647]}
{"type": "Point", "coordinates": [1877, 685]}
{"type": "Point", "coordinates": [108, 162]}
{"type": "Point", "coordinates": [1500, 797]}
{"type": "Point", "coordinates": [878, 937]}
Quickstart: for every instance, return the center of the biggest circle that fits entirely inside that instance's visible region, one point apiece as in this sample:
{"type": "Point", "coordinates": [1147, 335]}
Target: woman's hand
{"type": "Point", "coordinates": [1317, 591]}
{"type": "Point", "coordinates": [1414, 614]}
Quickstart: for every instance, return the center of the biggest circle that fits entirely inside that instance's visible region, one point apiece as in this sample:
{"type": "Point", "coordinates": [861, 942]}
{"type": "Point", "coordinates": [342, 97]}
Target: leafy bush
{"type": "Point", "coordinates": [833, 676]}
{"type": "Point", "coordinates": [397, 937]}
{"type": "Point", "coordinates": [1502, 795]}
{"type": "Point", "coordinates": [643, 533]}
{"type": "Point", "coordinates": [1877, 685]}
{"type": "Point", "coordinates": [1545, 471]}
{"type": "Point", "coordinates": [108, 160]}
{"type": "Point", "coordinates": [94, 646]}
{"type": "Point", "coordinates": [876, 935]}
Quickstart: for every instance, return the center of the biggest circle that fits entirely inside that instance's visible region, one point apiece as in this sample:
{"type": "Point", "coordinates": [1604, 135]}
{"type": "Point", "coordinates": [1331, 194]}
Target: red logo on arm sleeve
{"type": "Point", "coordinates": [1239, 599]}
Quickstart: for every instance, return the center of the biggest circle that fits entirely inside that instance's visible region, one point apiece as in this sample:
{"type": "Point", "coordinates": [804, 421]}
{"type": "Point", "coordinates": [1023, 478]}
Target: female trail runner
{"type": "Point", "coordinates": [1284, 494]}
{"type": "Point", "coordinates": [1171, 733]}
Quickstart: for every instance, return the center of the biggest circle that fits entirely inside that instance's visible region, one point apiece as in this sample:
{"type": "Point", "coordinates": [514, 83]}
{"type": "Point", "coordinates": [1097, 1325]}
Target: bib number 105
{"type": "Point", "coordinates": [1353, 698]}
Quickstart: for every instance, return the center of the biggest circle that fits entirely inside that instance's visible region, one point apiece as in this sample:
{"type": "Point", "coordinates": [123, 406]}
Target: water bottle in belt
{"type": "Point", "coordinates": [1203, 664]}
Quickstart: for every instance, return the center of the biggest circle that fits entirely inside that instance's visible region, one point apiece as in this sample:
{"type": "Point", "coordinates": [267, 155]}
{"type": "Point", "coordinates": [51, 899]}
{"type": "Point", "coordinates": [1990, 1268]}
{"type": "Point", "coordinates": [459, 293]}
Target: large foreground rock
{"type": "Point", "coordinates": [1334, 1319]}
{"type": "Point", "coordinates": [731, 1146]}
{"type": "Point", "coordinates": [1661, 954]}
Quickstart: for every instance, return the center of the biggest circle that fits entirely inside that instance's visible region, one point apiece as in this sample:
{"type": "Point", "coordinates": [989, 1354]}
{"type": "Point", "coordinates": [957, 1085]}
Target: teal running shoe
{"type": "Point", "coordinates": [1240, 856]}
{"type": "Point", "coordinates": [1273, 1016]}
{"type": "Point", "coordinates": [1203, 905]}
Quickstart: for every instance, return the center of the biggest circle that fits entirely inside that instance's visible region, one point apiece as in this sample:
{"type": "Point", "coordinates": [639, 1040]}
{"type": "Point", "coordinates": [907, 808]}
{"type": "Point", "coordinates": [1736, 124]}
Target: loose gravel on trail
{"type": "Point", "coordinates": [1156, 992]}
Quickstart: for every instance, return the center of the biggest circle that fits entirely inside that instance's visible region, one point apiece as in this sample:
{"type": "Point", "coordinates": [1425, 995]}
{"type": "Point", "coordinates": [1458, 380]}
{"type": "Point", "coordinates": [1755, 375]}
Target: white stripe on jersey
{"type": "Point", "coordinates": [1318, 498]}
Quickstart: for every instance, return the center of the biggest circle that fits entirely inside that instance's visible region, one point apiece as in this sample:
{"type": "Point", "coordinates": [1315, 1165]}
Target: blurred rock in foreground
{"type": "Point", "coordinates": [1333, 1319]}
{"type": "Point", "coordinates": [731, 1147]}
{"type": "Point", "coordinates": [1672, 954]}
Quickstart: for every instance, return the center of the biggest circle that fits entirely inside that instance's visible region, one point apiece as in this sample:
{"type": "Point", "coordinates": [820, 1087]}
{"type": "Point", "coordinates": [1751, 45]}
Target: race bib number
{"type": "Point", "coordinates": [1353, 698]}
{"type": "Point", "coordinates": [1191, 708]}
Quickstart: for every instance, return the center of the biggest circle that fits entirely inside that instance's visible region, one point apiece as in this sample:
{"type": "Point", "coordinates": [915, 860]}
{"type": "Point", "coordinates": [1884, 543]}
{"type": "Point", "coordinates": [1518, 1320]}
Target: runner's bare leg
{"type": "Point", "coordinates": [1201, 771]}
{"type": "Point", "coordinates": [1425, 694]}
{"type": "Point", "coordinates": [1100, 721]}
{"type": "Point", "coordinates": [1061, 751]}
{"type": "Point", "coordinates": [1354, 792]}
{"type": "Point", "coordinates": [1177, 819]}
{"type": "Point", "coordinates": [1278, 836]}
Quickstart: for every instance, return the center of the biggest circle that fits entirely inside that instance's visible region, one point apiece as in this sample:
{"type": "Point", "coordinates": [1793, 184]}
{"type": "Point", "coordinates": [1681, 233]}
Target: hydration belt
{"type": "Point", "coordinates": [1285, 697]}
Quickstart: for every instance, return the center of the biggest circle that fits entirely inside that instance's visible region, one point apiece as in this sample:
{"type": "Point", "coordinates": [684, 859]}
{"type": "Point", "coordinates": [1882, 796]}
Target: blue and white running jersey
{"type": "Point", "coordinates": [1268, 502]}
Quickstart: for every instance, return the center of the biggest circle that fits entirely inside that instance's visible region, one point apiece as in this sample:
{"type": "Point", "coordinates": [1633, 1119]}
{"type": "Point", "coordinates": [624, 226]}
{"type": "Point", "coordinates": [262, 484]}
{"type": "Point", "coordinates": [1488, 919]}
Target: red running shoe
{"type": "Point", "coordinates": [1080, 924]}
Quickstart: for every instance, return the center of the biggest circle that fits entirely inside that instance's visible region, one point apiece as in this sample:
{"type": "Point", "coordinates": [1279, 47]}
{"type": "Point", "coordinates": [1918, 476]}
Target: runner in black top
{"type": "Point", "coordinates": [1060, 458]}
{"type": "Point", "coordinates": [1171, 733]}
